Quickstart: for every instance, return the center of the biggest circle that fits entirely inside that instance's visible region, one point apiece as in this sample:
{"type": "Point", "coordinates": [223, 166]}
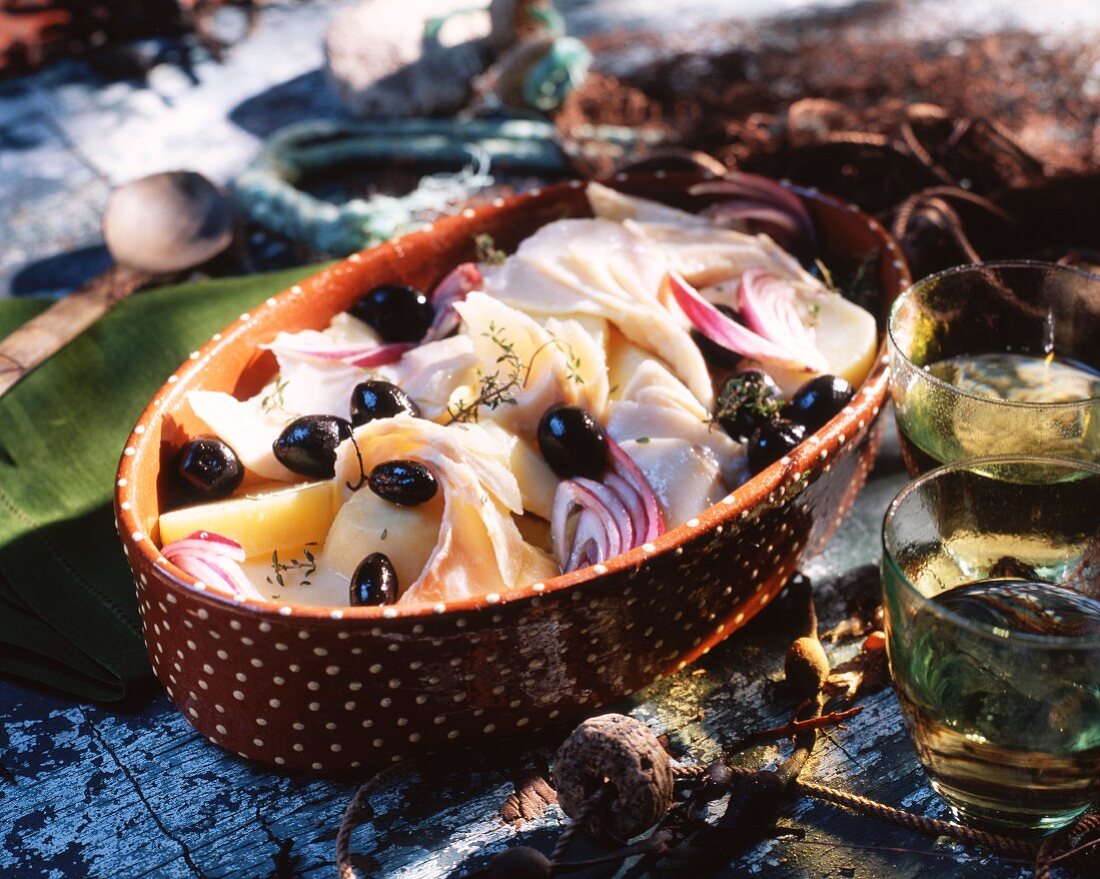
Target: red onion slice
{"type": "Point", "coordinates": [380, 356]}
{"type": "Point", "coordinates": [614, 515]}
{"type": "Point", "coordinates": [719, 328]}
{"type": "Point", "coordinates": [589, 542]}
{"type": "Point", "coordinates": [752, 217]}
{"type": "Point", "coordinates": [365, 355]}
{"type": "Point", "coordinates": [207, 571]}
{"type": "Point", "coordinates": [630, 498]}
{"type": "Point", "coordinates": [212, 559]}
{"type": "Point", "coordinates": [597, 528]}
{"type": "Point", "coordinates": [626, 469]}
{"type": "Point", "coordinates": [752, 190]}
{"type": "Point", "coordinates": [769, 305]}
{"type": "Point", "coordinates": [206, 543]}
{"type": "Point", "coordinates": [623, 535]}
{"type": "Point", "coordinates": [462, 279]}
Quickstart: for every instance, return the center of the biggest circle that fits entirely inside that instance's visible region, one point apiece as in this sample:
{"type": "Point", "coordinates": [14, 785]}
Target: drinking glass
{"type": "Point", "coordinates": [991, 581]}
{"type": "Point", "coordinates": [994, 359]}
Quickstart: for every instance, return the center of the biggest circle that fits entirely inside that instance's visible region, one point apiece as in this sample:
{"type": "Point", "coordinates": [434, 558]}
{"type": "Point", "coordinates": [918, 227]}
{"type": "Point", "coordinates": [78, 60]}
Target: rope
{"type": "Point", "coordinates": [354, 813]}
{"type": "Point", "coordinates": [1048, 851]}
{"type": "Point", "coordinates": [860, 138]}
{"type": "Point", "coordinates": [872, 809]}
{"type": "Point", "coordinates": [928, 826]}
{"type": "Point", "coordinates": [588, 807]}
{"type": "Point", "coordinates": [269, 194]}
{"type": "Point", "coordinates": [950, 222]}
{"type": "Point", "coordinates": [922, 155]}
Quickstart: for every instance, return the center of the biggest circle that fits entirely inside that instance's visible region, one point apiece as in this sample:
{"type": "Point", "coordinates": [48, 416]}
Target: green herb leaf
{"type": "Point", "coordinates": [486, 250]}
{"type": "Point", "coordinates": [275, 400]}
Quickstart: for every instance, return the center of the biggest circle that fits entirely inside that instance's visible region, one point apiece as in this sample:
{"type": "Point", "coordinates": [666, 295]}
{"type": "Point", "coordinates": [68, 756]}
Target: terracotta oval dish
{"type": "Point", "coordinates": [334, 689]}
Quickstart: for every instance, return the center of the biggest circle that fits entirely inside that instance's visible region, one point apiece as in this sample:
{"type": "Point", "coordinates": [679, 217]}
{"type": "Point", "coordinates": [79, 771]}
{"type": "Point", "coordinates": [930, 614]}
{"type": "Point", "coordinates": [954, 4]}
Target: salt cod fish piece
{"type": "Point", "coordinates": [537, 482]}
{"type": "Point", "coordinates": [479, 549]}
{"type": "Point", "coordinates": [655, 405]}
{"type": "Point", "coordinates": [610, 204]}
{"type": "Point", "coordinates": [247, 427]}
{"type": "Point", "coordinates": [555, 362]}
{"type": "Point", "coordinates": [599, 268]}
{"type": "Point", "coordinates": [686, 477]}
{"type": "Point", "coordinates": [430, 373]}
{"type": "Point", "coordinates": [695, 247]}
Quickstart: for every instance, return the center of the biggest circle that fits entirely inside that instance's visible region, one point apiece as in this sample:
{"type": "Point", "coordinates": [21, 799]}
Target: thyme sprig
{"type": "Point", "coordinates": [486, 250]}
{"type": "Point", "coordinates": [275, 399]}
{"type": "Point", "coordinates": [307, 567]}
{"type": "Point", "coordinates": [500, 387]}
{"type": "Point", "coordinates": [744, 399]}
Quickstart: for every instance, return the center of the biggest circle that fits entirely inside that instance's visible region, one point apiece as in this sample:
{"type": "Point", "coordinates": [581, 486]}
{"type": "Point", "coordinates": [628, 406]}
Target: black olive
{"type": "Point", "coordinates": [714, 353]}
{"type": "Point", "coordinates": [308, 444]}
{"type": "Point", "coordinates": [772, 441]}
{"type": "Point", "coordinates": [377, 399]}
{"type": "Point", "coordinates": [816, 402]}
{"type": "Point", "coordinates": [374, 582]}
{"type": "Point", "coordinates": [396, 312]}
{"type": "Point", "coordinates": [521, 862]}
{"type": "Point", "coordinates": [747, 402]}
{"type": "Point", "coordinates": [407, 483]}
{"type": "Point", "coordinates": [572, 442]}
{"type": "Point", "coordinates": [208, 468]}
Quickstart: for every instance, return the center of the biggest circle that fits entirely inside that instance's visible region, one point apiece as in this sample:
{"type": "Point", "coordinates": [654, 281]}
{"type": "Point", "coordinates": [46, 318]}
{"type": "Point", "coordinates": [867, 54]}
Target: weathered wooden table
{"type": "Point", "coordinates": [89, 791]}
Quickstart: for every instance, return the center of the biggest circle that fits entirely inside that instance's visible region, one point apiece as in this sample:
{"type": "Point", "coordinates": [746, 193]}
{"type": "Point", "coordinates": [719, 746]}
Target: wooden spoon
{"type": "Point", "coordinates": [154, 226]}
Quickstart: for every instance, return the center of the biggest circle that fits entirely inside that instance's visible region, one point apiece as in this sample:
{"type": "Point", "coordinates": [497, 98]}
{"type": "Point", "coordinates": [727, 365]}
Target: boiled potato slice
{"type": "Point", "coordinates": [537, 482]}
{"type": "Point", "coordinates": [847, 337]}
{"type": "Point", "coordinates": [303, 584]}
{"type": "Point", "coordinates": [262, 521]}
{"type": "Point", "coordinates": [367, 523]}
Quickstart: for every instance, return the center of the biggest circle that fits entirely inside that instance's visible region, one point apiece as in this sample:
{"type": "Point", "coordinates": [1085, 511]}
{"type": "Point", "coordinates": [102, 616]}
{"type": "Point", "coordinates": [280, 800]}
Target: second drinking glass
{"type": "Point", "coordinates": [995, 359]}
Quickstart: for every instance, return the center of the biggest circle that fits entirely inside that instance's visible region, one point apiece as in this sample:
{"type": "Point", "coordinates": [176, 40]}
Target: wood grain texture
{"type": "Point", "coordinates": [87, 791]}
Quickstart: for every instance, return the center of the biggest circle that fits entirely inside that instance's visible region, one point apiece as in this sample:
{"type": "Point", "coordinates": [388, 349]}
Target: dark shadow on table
{"type": "Point", "coordinates": [306, 96]}
{"type": "Point", "coordinates": [60, 273]}
{"type": "Point", "coordinates": [582, 848]}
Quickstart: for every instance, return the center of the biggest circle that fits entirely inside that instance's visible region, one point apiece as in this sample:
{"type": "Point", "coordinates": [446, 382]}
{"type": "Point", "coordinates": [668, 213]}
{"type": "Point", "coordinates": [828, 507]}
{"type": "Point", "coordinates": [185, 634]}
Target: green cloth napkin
{"type": "Point", "coordinates": [68, 613]}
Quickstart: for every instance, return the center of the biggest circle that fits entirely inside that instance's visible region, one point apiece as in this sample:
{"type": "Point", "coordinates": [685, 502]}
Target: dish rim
{"type": "Point", "coordinates": [767, 485]}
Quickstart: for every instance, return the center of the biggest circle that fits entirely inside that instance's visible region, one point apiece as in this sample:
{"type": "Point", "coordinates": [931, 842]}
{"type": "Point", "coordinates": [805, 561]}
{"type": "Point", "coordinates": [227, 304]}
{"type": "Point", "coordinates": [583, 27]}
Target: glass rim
{"type": "Point", "coordinates": [986, 631]}
{"type": "Point", "coordinates": [910, 292]}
